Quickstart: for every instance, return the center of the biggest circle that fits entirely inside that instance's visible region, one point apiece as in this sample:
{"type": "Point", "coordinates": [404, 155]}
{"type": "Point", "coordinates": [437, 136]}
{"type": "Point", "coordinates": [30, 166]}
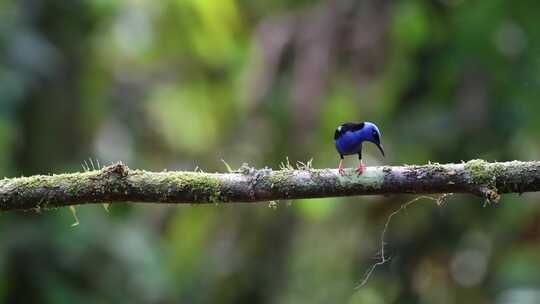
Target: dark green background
{"type": "Point", "coordinates": [180, 84]}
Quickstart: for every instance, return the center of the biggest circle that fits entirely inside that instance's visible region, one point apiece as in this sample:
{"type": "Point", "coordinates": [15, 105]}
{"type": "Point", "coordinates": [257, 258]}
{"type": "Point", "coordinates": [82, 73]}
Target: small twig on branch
{"type": "Point", "coordinates": [118, 183]}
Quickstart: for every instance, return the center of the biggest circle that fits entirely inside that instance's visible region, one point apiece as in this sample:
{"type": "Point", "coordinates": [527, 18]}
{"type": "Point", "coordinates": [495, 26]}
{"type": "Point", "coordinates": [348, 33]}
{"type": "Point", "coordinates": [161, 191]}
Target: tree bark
{"type": "Point", "coordinates": [118, 183]}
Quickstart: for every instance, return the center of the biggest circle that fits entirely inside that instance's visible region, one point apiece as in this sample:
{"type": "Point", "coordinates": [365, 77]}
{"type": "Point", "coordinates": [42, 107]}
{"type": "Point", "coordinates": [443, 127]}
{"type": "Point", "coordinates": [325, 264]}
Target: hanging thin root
{"type": "Point", "coordinates": [383, 259]}
{"type": "Point", "coordinates": [74, 213]}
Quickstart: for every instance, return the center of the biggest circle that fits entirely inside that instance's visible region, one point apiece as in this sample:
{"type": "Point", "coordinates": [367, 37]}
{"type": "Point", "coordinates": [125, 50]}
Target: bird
{"type": "Point", "coordinates": [349, 138]}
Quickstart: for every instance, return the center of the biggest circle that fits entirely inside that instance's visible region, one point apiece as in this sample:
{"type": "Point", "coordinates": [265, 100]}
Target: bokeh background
{"type": "Point", "coordinates": [183, 84]}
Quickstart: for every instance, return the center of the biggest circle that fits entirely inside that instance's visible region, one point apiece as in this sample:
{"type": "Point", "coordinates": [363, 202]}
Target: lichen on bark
{"type": "Point", "coordinates": [117, 183]}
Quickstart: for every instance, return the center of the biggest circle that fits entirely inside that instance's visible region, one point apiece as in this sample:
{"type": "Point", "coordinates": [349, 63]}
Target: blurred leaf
{"type": "Point", "coordinates": [185, 117]}
{"type": "Point", "coordinates": [410, 26]}
{"type": "Point", "coordinates": [316, 209]}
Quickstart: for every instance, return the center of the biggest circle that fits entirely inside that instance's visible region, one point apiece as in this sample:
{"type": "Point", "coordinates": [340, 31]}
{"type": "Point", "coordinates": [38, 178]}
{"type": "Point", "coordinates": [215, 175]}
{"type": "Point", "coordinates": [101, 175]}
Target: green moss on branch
{"type": "Point", "coordinates": [117, 183]}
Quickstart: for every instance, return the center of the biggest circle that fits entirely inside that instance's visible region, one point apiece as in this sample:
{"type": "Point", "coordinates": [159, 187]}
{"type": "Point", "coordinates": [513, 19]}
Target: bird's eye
{"type": "Point", "coordinates": [375, 135]}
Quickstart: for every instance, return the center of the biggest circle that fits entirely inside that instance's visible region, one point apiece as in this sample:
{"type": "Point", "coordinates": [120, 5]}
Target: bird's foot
{"type": "Point", "coordinates": [340, 168]}
{"type": "Point", "coordinates": [361, 168]}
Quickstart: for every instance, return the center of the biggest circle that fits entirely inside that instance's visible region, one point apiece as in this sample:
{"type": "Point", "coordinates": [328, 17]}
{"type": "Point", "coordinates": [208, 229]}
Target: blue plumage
{"type": "Point", "coordinates": [349, 138]}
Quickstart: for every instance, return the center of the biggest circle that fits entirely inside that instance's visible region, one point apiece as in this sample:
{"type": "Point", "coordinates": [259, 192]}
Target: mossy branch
{"type": "Point", "coordinates": [118, 183]}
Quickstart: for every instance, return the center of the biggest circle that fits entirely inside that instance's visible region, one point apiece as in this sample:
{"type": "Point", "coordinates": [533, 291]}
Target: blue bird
{"type": "Point", "coordinates": [349, 137]}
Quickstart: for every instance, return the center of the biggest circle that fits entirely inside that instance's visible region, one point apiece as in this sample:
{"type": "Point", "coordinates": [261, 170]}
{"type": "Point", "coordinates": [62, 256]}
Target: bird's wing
{"type": "Point", "coordinates": [346, 127]}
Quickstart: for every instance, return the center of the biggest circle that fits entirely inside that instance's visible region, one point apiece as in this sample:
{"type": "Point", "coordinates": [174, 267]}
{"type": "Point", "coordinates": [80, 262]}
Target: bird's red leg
{"type": "Point", "coordinates": [361, 167]}
{"type": "Point", "coordinates": [340, 167]}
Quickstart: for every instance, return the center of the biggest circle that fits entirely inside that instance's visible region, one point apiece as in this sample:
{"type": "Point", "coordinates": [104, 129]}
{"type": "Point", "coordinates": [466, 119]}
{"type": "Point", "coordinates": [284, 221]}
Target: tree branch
{"type": "Point", "coordinates": [118, 183]}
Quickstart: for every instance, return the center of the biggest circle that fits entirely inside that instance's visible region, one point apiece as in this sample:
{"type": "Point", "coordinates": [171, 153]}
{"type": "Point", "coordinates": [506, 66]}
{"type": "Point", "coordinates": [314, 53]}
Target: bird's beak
{"type": "Point", "coordinates": [380, 146]}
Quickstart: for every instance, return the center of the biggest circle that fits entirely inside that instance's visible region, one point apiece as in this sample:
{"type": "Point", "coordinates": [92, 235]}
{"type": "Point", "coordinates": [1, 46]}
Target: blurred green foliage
{"type": "Point", "coordinates": [183, 84]}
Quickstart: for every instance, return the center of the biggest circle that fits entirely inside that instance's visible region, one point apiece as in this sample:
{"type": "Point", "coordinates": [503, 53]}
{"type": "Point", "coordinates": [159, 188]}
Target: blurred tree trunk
{"type": "Point", "coordinates": [50, 113]}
